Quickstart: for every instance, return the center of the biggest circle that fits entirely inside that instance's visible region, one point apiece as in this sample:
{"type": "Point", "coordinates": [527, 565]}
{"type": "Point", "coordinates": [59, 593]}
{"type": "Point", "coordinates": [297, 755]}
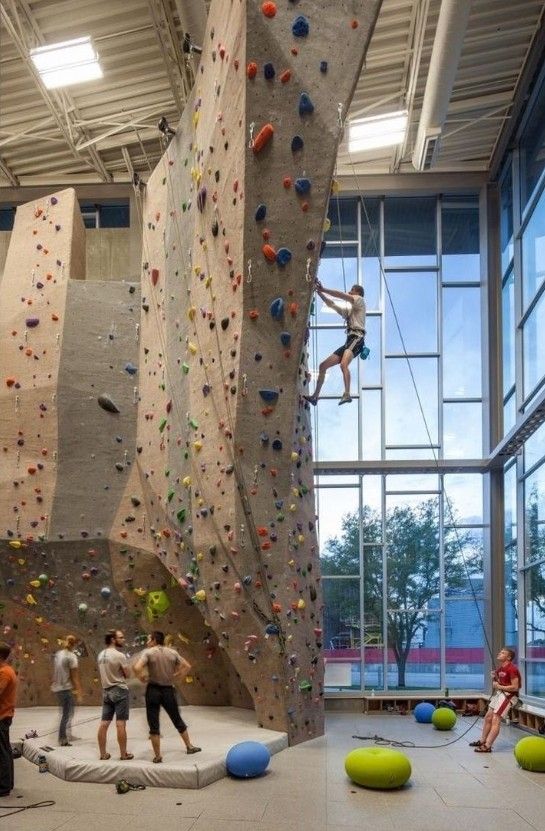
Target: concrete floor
{"type": "Point", "coordinates": [306, 789]}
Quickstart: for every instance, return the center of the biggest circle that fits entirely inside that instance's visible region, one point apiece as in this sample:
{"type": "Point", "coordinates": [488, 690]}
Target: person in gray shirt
{"type": "Point", "coordinates": [160, 665]}
{"type": "Point", "coordinates": [113, 668]}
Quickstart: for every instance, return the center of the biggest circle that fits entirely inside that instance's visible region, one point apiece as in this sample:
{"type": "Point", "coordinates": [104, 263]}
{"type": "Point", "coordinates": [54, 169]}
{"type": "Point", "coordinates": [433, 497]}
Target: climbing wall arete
{"type": "Point", "coordinates": [196, 448]}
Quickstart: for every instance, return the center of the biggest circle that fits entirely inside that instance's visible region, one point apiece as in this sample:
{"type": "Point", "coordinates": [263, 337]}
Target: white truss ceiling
{"type": "Point", "coordinates": [102, 130]}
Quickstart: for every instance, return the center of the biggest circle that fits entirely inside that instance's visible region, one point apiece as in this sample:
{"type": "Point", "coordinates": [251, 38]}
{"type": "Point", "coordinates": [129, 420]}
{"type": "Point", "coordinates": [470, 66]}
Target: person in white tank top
{"type": "Point", "coordinates": [353, 311]}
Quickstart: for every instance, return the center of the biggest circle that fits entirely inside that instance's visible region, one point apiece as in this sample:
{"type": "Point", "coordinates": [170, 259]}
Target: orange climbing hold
{"type": "Point", "coordinates": [293, 308]}
{"type": "Point", "coordinates": [253, 314]}
{"type": "Point", "coordinates": [251, 70]}
{"type": "Point", "coordinates": [287, 182]}
{"type": "Point", "coordinates": [10, 382]}
{"type": "Point", "coordinates": [285, 76]}
{"type": "Point", "coordinates": [262, 531]}
{"type": "Point", "coordinates": [269, 253]}
{"type": "Point", "coordinates": [263, 137]}
{"type": "Point", "coordinates": [269, 9]}
{"type": "Point", "coordinates": [265, 546]}
{"type": "Point", "coordinates": [354, 24]}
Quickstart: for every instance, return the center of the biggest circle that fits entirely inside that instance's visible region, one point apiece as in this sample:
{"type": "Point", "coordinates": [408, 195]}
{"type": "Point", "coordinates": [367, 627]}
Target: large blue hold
{"type": "Point", "coordinates": [269, 395]}
{"type": "Point", "coordinates": [306, 107]}
{"type": "Point", "coordinates": [260, 213]}
{"type": "Point", "coordinates": [247, 760]}
{"type": "Point", "coordinates": [300, 27]}
{"type": "Point", "coordinates": [277, 309]}
{"type": "Point", "coordinates": [283, 256]}
{"type": "Point", "coordinates": [302, 186]}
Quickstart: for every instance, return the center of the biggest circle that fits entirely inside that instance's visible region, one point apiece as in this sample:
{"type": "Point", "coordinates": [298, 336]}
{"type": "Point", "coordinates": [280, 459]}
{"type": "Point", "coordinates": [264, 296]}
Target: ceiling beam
{"type": "Point", "coordinates": [54, 101]}
{"type": "Point", "coordinates": [171, 52]}
{"type": "Point", "coordinates": [8, 174]}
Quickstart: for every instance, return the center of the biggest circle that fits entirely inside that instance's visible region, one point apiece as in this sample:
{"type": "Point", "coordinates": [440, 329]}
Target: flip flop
{"type": "Point", "coordinates": [157, 760]}
{"type": "Point", "coordinates": [483, 748]}
{"type": "Point", "coordinates": [477, 743]}
{"type": "Point", "coordinates": [193, 750]}
{"type": "Point", "coordinates": [106, 757]}
{"type": "Point", "coordinates": [126, 757]}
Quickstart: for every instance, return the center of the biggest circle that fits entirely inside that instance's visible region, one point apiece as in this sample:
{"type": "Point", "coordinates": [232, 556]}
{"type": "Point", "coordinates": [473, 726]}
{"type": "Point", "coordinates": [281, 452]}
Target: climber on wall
{"type": "Point", "coordinates": [353, 311]}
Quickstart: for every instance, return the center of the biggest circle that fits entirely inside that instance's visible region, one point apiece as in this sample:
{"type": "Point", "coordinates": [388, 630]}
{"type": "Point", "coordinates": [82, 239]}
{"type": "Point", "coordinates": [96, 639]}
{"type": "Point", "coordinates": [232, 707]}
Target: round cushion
{"type": "Point", "coordinates": [444, 718]}
{"type": "Point", "coordinates": [530, 753]}
{"type": "Point", "coordinates": [378, 767]}
{"type": "Point", "coordinates": [423, 712]}
{"type": "Point", "coordinates": [247, 759]}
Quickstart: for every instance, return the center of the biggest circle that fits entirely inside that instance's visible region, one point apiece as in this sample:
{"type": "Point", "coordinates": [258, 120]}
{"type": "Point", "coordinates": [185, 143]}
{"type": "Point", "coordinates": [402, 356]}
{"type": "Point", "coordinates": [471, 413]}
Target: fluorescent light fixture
{"type": "Point", "coordinates": [377, 131]}
{"type": "Point", "coordinates": [67, 63]}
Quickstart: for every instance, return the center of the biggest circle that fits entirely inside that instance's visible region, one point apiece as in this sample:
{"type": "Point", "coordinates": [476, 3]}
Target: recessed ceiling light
{"type": "Point", "coordinates": [67, 63]}
{"type": "Point", "coordinates": [377, 131]}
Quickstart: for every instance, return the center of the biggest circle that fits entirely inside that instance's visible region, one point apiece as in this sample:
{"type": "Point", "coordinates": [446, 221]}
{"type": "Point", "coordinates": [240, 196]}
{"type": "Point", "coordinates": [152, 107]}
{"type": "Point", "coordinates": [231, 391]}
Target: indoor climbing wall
{"type": "Point", "coordinates": [157, 456]}
{"type": "Point", "coordinates": [232, 219]}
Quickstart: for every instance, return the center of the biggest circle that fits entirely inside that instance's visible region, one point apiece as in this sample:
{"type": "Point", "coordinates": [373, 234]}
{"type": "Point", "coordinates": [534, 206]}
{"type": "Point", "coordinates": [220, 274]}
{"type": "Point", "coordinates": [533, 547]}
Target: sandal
{"type": "Point", "coordinates": [157, 759]}
{"type": "Point", "coordinates": [483, 748]}
{"type": "Point", "coordinates": [105, 757]}
{"type": "Point", "coordinates": [193, 749]}
{"type": "Point", "coordinates": [478, 743]}
{"type": "Point", "coordinates": [126, 757]}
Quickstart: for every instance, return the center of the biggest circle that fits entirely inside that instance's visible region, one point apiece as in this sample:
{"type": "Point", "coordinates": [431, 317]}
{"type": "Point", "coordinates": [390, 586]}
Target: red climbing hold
{"type": "Point", "coordinates": [354, 24]}
{"type": "Point", "coordinates": [266, 234]}
{"type": "Point", "coordinates": [269, 9]}
{"type": "Point", "coordinates": [253, 314]}
{"type": "Point", "coordinates": [285, 76]}
{"type": "Point", "coordinates": [269, 253]}
{"type": "Point", "coordinates": [251, 70]}
{"type": "Point", "coordinates": [263, 137]}
{"type": "Point", "coordinates": [287, 182]}
{"type": "Point", "coordinates": [293, 308]}
{"type": "Point", "coordinates": [262, 531]}
{"type": "Point", "coordinates": [154, 276]}
{"type": "Point", "coordinates": [10, 382]}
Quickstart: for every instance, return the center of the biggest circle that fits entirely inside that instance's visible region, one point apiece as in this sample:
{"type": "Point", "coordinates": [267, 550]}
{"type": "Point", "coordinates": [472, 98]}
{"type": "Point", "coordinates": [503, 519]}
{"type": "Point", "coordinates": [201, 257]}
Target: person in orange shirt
{"type": "Point", "coordinates": [8, 686]}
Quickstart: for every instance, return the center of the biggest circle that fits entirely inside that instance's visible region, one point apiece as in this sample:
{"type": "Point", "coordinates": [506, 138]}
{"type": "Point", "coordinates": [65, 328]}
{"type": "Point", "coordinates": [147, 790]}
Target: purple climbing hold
{"type": "Point", "coordinates": [260, 213]}
{"type": "Point", "coordinates": [302, 186]}
{"type": "Point", "coordinates": [300, 27]}
{"type": "Point", "coordinates": [201, 199]}
{"type": "Point", "coordinates": [131, 368]}
{"type": "Point", "coordinates": [297, 143]}
{"type": "Point", "coordinates": [206, 389]}
{"type": "Point", "coordinates": [306, 107]}
{"type": "Point", "coordinates": [283, 256]}
{"type": "Point", "coordinates": [39, 285]}
{"type": "Point", "coordinates": [32, 322]}
{"type": "Point", "coordinates": [277, 309]}
{"type": "Point", "coordinates": [285, 338]}
{"type": "Point", "coordinates": [54, 200]}
{"type": "Point", "coordinates": [323, 66]}
{"type": "Point", "coordinates": [269, 72]}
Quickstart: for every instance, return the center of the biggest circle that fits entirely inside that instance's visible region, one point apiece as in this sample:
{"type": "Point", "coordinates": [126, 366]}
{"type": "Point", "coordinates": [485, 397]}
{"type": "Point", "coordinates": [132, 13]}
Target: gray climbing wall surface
{"type": "Point", "coordinates": [183, 456]}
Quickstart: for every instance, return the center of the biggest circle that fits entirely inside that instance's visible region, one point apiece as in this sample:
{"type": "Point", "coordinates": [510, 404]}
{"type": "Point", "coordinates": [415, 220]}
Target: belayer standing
{"type": "Point", "coordinates": [506, 683]}
{"type": "Point", "coordinates": [353, 311]}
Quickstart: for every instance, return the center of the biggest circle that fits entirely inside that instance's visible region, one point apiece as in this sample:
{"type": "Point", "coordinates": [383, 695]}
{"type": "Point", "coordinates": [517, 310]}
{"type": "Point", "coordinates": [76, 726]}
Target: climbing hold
{"type": "Point", "coordinates": [53, 200]}
{"type": "Point", "coordinates": [201, 199]}
{"type": "Point", "coordinates": [260, 213]}
{"type": "Point", "coordinates": [215, 228]}
{"type": "Point", "coordinates": [82, 608]}
{"type": "Point", "coordinates": [264, 439]}
{"type": "Point", "coordinates": [269, 9]}
{"type": "Point", "coordinates": [287, 182]}
{"type": "Point", "coordinates": [311, 245]}
{"type": "Point", "coordinates": [225, 323]}
{"type": "Point", "coordinates": [253, 314]}
{"type": "Point", "coordinates": [323, 66]}
{"type": "Point", "coordinates": [32, 322]}
{"type": "Point", "coordinates": [251, 70]}
{"type": "Point", "coordinates": [105, 592]}
{"type": "Point", "coordinates": [269, 395]}
{"type": "Point", "coordinates": [263, 137]}
{"type": "Point", "coordinates": [131, 368]}
{"type": "Point", "coordinates": [297, 143]}
{"type": "Point", "coordinates": [200, 596]}
{"type": "Point", "coordinates": [154, 275]}
{"type": "Point", "coordinates": [302, 186]}
{"type": "Point", "coordinates": [300, 27]}
{"type": "Point", "coordinates": [277, 444]}
{"type": "Point", "coordinates": [277, 309]}
{"type": "Point", "coordinates": [283, 256]}
{"type": "Point", "coordinates": [107, 404]}
{"type": "Point", "coordinates": [269, 253]}
{"type": "Point", "coordinates": [354, 24]}
{"type": "Point", "coordinates": [272, 629]}
{"type": "Point", "coordinates": [157, 603]}
{"type": "Point", "coordinates": [285, 338]}
{"type": "Point", "coordinates": [269, 71]}
{"type": "Point", "coordinates": [306, 107]}
{"type": "Point", "coordinates": [285, 76]}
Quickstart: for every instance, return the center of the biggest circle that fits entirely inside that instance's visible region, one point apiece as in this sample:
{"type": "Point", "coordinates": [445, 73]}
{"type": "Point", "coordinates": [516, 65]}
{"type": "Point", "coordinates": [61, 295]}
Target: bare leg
{"type": "Point", "coordinates": [188, 743]}
{"type": "Point", "coordinates": [332, 360]}
{"type": "Point", "coordinates": [101, 736]}
{"type": "Point", "coordinates": [121, 728]}
{"type": "Point", "coordinates": [487, 724]}
{"type": "Point", "coordinates": [346, 358]}
{"type": "Point", "coordinates": [156, 744]}
{"type": "Point", "coordinates": [494, 730]}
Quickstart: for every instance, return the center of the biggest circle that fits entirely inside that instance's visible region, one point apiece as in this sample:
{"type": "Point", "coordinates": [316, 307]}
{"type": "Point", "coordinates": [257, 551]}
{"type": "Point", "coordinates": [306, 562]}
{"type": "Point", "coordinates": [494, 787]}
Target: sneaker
{"type": "Point", "coordinates": [346, 399]}
{"type": "Point", "coordinates": [194, 749]}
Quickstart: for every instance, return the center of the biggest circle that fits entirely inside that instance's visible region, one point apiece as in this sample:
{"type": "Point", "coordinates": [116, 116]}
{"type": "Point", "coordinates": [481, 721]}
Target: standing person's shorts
{"type": "Point", "coordinates": [354, 343]}
{"type": "Point", "coordinates": [501, 704]}
{"type": "Point", "coordinates": [115, 701]}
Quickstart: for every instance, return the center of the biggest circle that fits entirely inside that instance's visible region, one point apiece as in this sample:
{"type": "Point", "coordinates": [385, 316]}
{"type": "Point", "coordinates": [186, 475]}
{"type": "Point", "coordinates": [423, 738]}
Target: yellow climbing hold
{"type": "Point", "coordinates": [301, 538]}
{"type": "Point", "coordinates": [335, 186]}
{"type": "Point", "coordinates": [188, 679]}
{"type": "Point", "coordinates": [327, 224]}
{"type": "Point", "coordinates": [197, 445]}
{"type": "Point", "coordinates": [301, 603]}
{"type": "Point", "coordinates": [35, 584]}
{"type": "Point", "coordinates": [293, 508]}
{"type": "Point", "coordinates": [140, 592]}
{"type": "Point", "coordinates": [191, 312]}
{"type": "Point", "coordinates": [200, 556]}
{"type": "Point", "coordinates": [200, 596]}
{"type": "Point", "coordinates": [186, 481]}
{"type": "Point", "coordinates": [15, 544]}
{"type": "Point", "coordinates": [192, 348]}
{"type": "Point", "coordinates": [21, 561]}
{"type": "Point", "coordinates": [30, 600]}
{"type": "Point", "coordinates": [294, 456]}
{"type": "Point", "coordinates": [291, 563]}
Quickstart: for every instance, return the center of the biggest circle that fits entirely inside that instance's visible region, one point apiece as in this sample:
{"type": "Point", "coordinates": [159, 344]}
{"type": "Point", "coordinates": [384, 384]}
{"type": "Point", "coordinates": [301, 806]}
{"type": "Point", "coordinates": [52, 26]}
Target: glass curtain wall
{"type": "Point", "coordinates": [522, 252]}
{"type": "Point", "coordinates": [402, 554]}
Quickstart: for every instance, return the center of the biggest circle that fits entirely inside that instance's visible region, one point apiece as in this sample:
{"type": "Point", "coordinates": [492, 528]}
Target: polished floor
{"type": "Point", "coordinates": [306, 789]}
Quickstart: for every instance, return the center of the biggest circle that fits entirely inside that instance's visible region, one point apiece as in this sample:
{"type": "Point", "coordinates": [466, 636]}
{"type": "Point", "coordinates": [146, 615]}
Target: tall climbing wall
{"type": "Point", "coordinates": [157, 458]}
{"type": "Point", "coordinates": [233, 218]}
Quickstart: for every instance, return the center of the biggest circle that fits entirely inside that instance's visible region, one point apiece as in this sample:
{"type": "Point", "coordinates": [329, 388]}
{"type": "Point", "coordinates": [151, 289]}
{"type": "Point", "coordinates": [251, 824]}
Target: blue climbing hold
{"type": "Point", "coordinates": [300, 27]}
{"type": "Point", "coordinates": [297, 143]}
{"type": "Point", "coordinates": [283, 256]}
{"type": "Point", "coordinates": [306, 107]}
{"type": "Point", "coordinates": [268, 72]}
{"type": "Point", "coordinates": [131, 368]}
{"type": "Point", "coordinates": [277, 444]}
{"type": "Point", "coordinates": [285, 338]}
{"type": "Point", "coordinates": [302, 186]}
{"type": "Point", "coordinates": [277, 309]}
{"type": "Point", "coordinates": [323, 66]}
{"type": "Point", "coordinates": [260, 213]}
{"type": "Point", "coordinates": [272, 629]}
{"type": "Point", "coordinates": [269, 395]}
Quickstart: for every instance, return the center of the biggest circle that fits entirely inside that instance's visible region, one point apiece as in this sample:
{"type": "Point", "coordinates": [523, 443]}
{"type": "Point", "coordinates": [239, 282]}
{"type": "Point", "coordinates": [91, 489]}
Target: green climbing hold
{"type": "Point", "coordinates": [162, 424]}
{"type": "Point", "coordinates": [181, 515]}
{"type": "Point", "coordinates": [185, 368]}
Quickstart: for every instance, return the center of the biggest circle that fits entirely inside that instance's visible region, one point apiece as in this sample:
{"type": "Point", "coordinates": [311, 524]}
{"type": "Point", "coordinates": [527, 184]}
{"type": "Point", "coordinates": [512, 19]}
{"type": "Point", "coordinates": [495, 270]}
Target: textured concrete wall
{"type": "Point", "coordinates": [108, 254]}
{"type": "Point", "coordinates": [202, 462]}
